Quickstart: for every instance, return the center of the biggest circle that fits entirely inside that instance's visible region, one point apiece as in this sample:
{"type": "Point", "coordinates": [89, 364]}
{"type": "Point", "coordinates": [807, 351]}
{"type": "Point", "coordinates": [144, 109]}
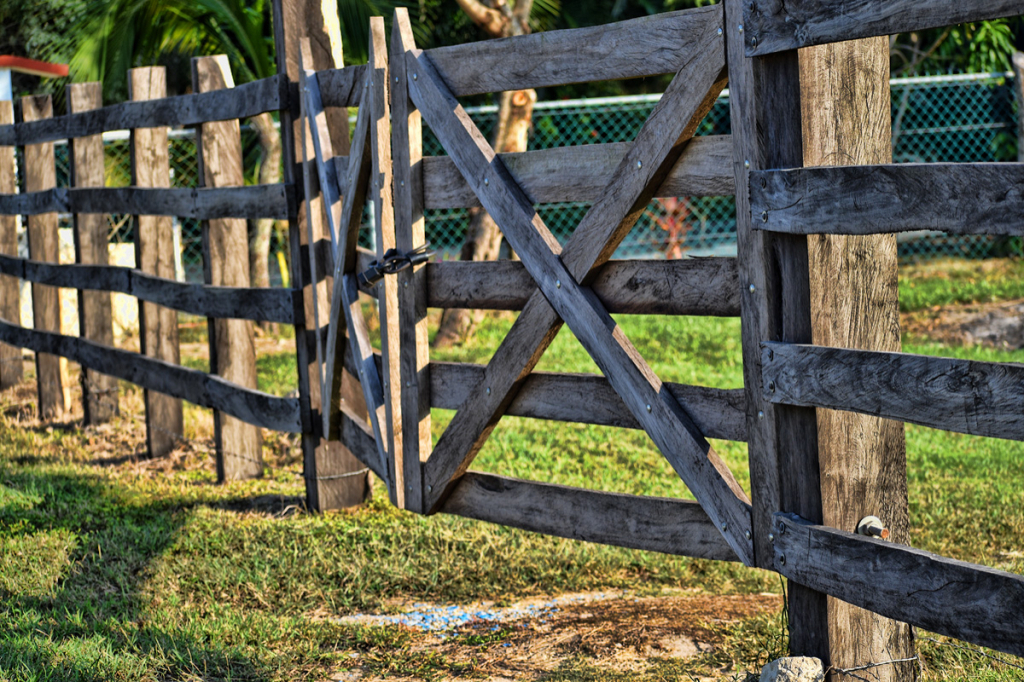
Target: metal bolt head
{"type": "Point", "coordinates": [746, 164]}
{"type": "Point", "coordinates": [648, 408]}
{"type": "Point", "coordinates": [725, 527]}
{"type": "Point", "coordinates": [771, 386]}
{"type": "Point", "coordinates": [771, 354]}
{"type": "Point", "coordinates": [558, 284]}
{"type": "Point", "coordinates": [746, 534]}
{"type": "Point", "coordinates": [764, 183]}
{"type": "Point", "coordinates": [405, 284]}
{"type": "Point", "coordinates": [782, 560]}
{"type": "Point", "coordinates": [396, 79]}
{"type": "Point", "coordinates": [764, 216]}
{"type": "Point", "coordinates": [430, 488]}
{"type": "Point", "coordinates": [782, 530]}
{"type": "Point", "coordinates": [719, 31]}
{"type": "Point", "coordinates": [488, 390]}
{"type": "Point", "coordinates": [408, 384]}
{"type": "Point", "coordinates": [752, 288]}
{"type": "Point", "coordinates": [753, 41]}
{"type": "Point", "coordinates": [760, 414]}
{"type": "Point", "coordinates": [740, 28]}
{"type": "Point", "coordinates": [771, 537]}
{"type": "Point", "coordinates": [415, 77]}
{"type": "Point", "coordinates": [487, 181]}
{"type": "Point", "coordinates": [639, 164]}
{"type": "Point", "coordinates": [401, 183]}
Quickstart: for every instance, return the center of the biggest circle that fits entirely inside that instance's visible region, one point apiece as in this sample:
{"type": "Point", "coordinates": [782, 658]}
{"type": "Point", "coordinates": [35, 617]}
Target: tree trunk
{"type": "Point", "coordinates": [515, 112]}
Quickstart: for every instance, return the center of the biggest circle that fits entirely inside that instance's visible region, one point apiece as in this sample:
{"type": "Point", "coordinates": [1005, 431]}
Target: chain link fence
{"type": "Point", "coordinates": [964, 118]}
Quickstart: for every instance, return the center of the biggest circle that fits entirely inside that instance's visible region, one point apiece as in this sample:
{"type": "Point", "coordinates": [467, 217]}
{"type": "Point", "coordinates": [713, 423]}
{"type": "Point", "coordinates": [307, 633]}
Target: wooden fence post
{"type": "Point", "coordinates": [846, 121]}
{"type": "Point", "coordinates": [44, 245]}
{"type": "Point", "coordinates": [239, 446]}
{"type": "Point", "coordinates": [764, 96]}
{"type": "Point", "coordinates": [10, 307]}
{"type": "Point", "coordinates": [407, 151]}
{"type": "Point", "coordinates": [154, 254]}
{"type": "Point", "coordinates": [334, 477]}
{"type": "Point", "coordinates": [99, 391]}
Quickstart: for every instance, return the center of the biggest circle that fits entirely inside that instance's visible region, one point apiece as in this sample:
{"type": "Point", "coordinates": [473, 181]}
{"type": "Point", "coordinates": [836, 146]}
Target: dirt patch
{"type": "Point", "coordinates": [998, 325]}
{"type": "Point", "coordinates": [620, 634]}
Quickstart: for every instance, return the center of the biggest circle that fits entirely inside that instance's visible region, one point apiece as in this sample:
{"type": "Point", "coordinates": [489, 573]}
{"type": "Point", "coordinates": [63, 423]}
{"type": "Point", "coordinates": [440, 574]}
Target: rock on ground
{"type": "Point", "coordinates": [793, 669]}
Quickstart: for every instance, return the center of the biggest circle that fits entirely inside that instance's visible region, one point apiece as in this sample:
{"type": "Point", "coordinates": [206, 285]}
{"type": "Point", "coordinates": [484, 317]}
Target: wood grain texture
{"type": "Point", "coordinates": [980, 398]}
{"type": "Point", "coordinates": [268, 94]}
{"type": "Point", "coordinates": [662, 417]}
{"type": "Point", "coordinates": [255, 201]}
{"type": "Point", "coordinates": [271, 305]}
{"type": "Point", "coordinates": [974, 603]}
{"type": "Point", "coordinates": [154, 375]}
{"type": "Point", "coordinates": [774, 25]}
{"type": "Point", "coordinates": [654, 524]}
{"type": "Point", "coordinates": [694, 286]}
{"type": "Point", "coordinates": [589, 399]}
{"type": "Point", "coordinates": [582, 172]}
{"type": "Point", "coordinates": [382, 195]}
{"type": "Point", "coordinates": [154, 254]}
{"type": "Point", "coordinates": [238, 446]}
{"type": "Point", "coordinates": [342, 87]}
{"type": "Point", "coordinates": [412, 283]}
{"type": "Point", "coordinates": [99, 391]}
{"type": "Point", "coordinates": [629, 49]}
{"type": "Point", "coordinates": [764, 96]}
{"type": "Point", "coordinates": [53, 385]}
{"type": "Point", "coordinates": [981, 198]}
{"type": "Point", "coordinates": [11, 370]}
{"type": "Point", "coordinates": [846, 115]}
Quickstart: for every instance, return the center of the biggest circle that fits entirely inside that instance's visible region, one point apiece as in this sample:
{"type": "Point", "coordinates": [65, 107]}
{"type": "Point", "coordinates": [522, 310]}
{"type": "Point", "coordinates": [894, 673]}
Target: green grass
{"type": "Point", "coordinates": [944, 282]}
{"type": "Point", "coordinates": [110, 574]}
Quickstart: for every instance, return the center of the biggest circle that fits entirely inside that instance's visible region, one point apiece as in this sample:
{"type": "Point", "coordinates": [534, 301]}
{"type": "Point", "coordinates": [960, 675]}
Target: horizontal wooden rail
{"type": "Point", "coordinates": [647, 46]}
{"type": "Point", "coordinates": [979, 398]}
{"type": "Point", "coordinates": [974, 603]}
{"type": "Point", "coordinates": [692, 286]}
{"type": "Point", "coordinates": [255, 201]}
{"type": "Point", "coordinates": [654, 524]}
{"type": "Point", "coordinates": [773, 26]}
{"type": "Point", "coordinates": [243, 101]}
{"type": "Point", "coordinates": [206, 390]}
{"type": "Point", "coordinates": [960, 198]}
{"type": "Point", "coordinates": [590, 399]}
{"type": "Point", "coordinates": [582, 173]}
{"type": "Point", "coordinates": [342, 87]}
{"type": "Point", "coordinates": [261, 305]}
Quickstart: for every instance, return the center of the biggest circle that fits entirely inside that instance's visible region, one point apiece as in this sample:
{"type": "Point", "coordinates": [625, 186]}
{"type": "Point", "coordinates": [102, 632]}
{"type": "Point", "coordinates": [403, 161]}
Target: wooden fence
{"type": "Point", "coordinates": [376, 405]}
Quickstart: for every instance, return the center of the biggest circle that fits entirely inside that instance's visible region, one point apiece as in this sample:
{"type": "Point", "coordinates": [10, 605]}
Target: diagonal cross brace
{"type": "Point", "coordinates": [653, 406]}
{"type": "Point", "coordinates": [345, 312]}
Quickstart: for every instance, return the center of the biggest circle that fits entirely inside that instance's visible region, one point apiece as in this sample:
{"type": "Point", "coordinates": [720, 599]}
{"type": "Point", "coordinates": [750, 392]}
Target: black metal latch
{"type": "Point", "coordinates": [394, 261]}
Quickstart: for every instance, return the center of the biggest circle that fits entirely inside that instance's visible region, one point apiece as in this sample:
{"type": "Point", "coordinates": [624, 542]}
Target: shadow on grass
{"type": "Point", "coordinates": [75, 552]}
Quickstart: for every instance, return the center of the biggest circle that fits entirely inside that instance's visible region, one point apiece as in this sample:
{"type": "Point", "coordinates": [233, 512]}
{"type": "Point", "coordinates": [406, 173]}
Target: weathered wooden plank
{"type": "Point", "coordinates": [11, 369]}
{"type": "Point", "coordinates": [659, 143]}
{"type": "Point", "coordinates": [960, 198]}
{"type": "Point", "coordinates": [204, 390]}
{"type": "Point", "coordinates": [654, 524]}
{"type": "Point", "coordinates": [154, 254]}
{"type": "Point", "coordinates": [764, 96]}
{"type": "Point", "coordinates": [693, 286]}
{"type": "Point", "coordinates": [846, 104]}
{"type": "Point", "coordinates": [342, 87]}
{"type": "Point", "coordinates": [238, 446]}
{"type": "Point", "coordinates": [99, 391]}
{"type": "Point", "coordinates": [980, 398]}
{"type": "Point", "coordinates": [382, 195]}
{"type": "Point", "coordinates": [773, 26]}
{"type": "Point", "coordinates": [974, 603]}
{"type": "Point", "coordinates": [647, 46]}
{"type": "Point", "coordinates": [268, 94]}
{"type": "Point", "coordinates": [255, 201]}
{"type": "Point", "coordinates": [590, 399]}
{"type": "Point", "coordinates": [412, 284]}
{"type": "Point", "coordinates": [335, 477]}
{"type": "Point", "coordinates": [582, 172]}
{"type": "Point", "coordinates": [271, 305]}
{"type": "Point", "coordinates": [53, 387]}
